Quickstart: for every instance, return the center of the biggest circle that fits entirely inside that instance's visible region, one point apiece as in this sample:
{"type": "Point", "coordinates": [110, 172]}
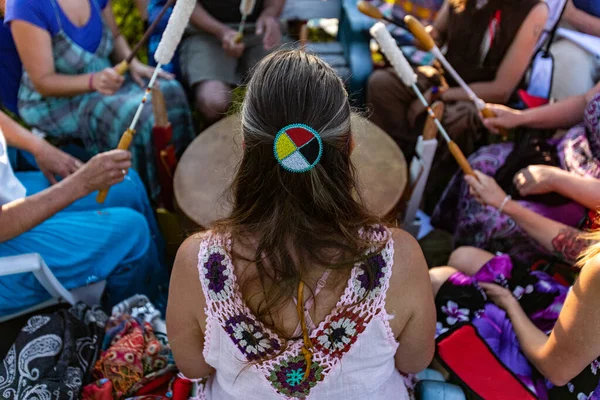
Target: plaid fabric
{"type": "Point", "coordinates": [424, 10]}
{"type": "Point", "coordinates": [98, 120]}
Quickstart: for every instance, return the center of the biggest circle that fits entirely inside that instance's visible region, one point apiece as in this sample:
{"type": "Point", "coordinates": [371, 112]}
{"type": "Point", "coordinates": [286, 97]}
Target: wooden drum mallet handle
{"type": "Point", "coordinates": [124, 144]}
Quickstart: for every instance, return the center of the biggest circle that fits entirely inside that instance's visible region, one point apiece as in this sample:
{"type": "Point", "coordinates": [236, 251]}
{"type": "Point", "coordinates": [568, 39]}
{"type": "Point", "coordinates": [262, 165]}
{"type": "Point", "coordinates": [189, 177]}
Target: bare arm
{"type": "Point", "coordinates": [184, 312]}
{"type": "Point", "coordinates": [414, 309]}
{"type": "Point", "coordinates": [583, 190]}
{"type": "Point", "coordinates": [21, 215]}
{"type": "Point", "coordinates": [34, 45]}
{"type": "Point", "coordinates": [573, 343]}
{"type": "Point", "coordinates": [142, 6]}
{"type": "Point", "coordinates": [439, 29]}
{"type": "Point", "coordinates": [581, 20]}
{"type": "Point", "coordinates": [201, 19]}
{"type": "Point", "coordinates": [121, 48]}
{"type": "Point", "coordinates": [100, 172]}
{"type": "Point", "coordinates": [514, 64]}
{"type": "Point", "coordinates": [558, 238]}
{"type": "Point", "coordinates": [17, 136]}
{"type": "Point", "coordinates": [564, 114]}
{"type": "Point", "coordinates": [564, 241]}
{"type": "Point", "coordinates": [273, 8]}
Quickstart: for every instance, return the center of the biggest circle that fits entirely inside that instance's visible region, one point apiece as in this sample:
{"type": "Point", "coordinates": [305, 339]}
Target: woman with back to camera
{"type": "Point", "coordinates": [299, 292]}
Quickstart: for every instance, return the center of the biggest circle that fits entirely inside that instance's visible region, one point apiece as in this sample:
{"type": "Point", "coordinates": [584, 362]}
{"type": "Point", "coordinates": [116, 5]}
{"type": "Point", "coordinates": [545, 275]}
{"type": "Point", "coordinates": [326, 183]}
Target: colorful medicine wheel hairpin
{"type": "Point", "coordinates": [298, 148]}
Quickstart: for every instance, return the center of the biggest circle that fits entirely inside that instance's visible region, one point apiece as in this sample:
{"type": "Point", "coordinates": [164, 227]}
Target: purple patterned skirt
{"type": "Point", "coordinates": [461, 300]}
{"type": "Point", "coordinates": [474, 224]}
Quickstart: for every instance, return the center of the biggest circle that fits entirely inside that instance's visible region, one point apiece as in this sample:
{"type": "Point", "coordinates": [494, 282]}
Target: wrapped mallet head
{"type": "Point", "coordinates": [246, 9]}
{"type": "Point", "coordinates": [174, 32]}
{"type": "Point", "coordinates": [408, 77]}
{"type": "Point", "coordinates": [393, 54]}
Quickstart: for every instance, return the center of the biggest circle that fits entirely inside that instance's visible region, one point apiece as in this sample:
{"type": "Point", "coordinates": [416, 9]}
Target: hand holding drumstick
{"type": "Point", "coordinates": [503, 118]}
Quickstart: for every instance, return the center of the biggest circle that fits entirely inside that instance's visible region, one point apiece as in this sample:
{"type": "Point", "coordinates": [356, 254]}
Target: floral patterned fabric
{"type": "Point", "coordinates": [462, 300]}
{"type": "Point", "coordinates": [245, 352]}
{"type": "Point", "coordinates": [474, 224]}
{"type": "Point", "coordinates": [135, 347]}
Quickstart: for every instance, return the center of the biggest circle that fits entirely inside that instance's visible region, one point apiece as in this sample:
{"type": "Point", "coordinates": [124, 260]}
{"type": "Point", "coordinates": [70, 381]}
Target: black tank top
{"type": "Point", "coordinates": [466, 30]}
{"type": "Point", "coordinates": [228, 11]}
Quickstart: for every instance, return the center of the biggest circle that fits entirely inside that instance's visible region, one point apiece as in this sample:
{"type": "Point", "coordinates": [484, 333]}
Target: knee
{"type": "Point", "coordinates": [460, 256]}
{"type": "Point", "coordinates": [129, 194]}
{"type": "Point", "coordinates": [439, 276]}
{"type": "Point", "coordinates": [134, 227]}
{"type": "Point", "coordinates": [212, 101]}
{"type": "Point", "coordinates": [469, 260]}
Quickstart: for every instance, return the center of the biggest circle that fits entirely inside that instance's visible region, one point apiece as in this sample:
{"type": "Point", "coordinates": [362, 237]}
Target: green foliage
{"type": "Point", "coordinates": [130, 24]}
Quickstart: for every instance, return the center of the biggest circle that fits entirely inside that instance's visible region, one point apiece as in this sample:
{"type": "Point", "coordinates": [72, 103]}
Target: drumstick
{"type": "Point", "coordinates": [370, 10]}
{"type": "Point", "coordinates": [123, 66]}
{"type": "Point", "coordinates": [419, 32]}
{"type": "Point", "coordinates": [409, 78]}
{"type": "Point", "coordinates": [164, 54]}
{"type": "Point", "coordinates": [246, 8]}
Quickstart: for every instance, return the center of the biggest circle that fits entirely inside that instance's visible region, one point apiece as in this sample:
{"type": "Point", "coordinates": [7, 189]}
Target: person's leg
{"type": "Point", "coordinates": [439, 276]}
{"type": "Point", "coordinates": [128, 194]}
{"type": "Point", "coordinates": [212, 99]}
{"type": "Point", "coordinates": [469, 260]}
{"type": "Point", "coordinates": [389, 100]}
{"type": "Point", "coordinates": [209, 72]}
{"type": "Point", "coordinates": [82, 248]}
{"type": "Point", "coordinates": [573, 70]}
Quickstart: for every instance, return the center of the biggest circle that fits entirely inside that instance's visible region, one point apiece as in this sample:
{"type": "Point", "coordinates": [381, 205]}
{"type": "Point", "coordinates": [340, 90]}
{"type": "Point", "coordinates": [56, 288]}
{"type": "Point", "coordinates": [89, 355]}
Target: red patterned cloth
{"type": "Point", "coordinates": [134, 352]}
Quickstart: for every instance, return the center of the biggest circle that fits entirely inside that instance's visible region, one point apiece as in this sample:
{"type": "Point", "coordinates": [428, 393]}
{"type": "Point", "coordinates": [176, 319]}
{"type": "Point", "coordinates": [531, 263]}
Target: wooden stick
{"type": "Point", "coordinates": [430, 130]}
{"type": "Point", "coordinates": [123, 66]}
{"type": "Point", "coordinates": [129, 133]}
{"type": "Point", "coordinates": [452, 146]}
{"type": "Point", "coordinates": [124, 144]}
{"type": "Point", "coordinates": [417, 29]}
{"type": "Point", "coordinates": [159, 108]}
{"type": "Point", "coordinates": [370, 10]}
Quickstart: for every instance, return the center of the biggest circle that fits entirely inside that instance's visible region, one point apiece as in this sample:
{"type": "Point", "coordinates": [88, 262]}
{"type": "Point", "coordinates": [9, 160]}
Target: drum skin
{"type": "Point", "coordinates": [206, 170]}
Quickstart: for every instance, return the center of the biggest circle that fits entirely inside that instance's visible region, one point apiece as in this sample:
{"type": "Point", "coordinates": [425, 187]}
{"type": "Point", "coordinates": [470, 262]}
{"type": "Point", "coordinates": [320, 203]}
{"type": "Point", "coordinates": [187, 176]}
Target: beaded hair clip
{"type": "Point", "coordinates": [298, 148]}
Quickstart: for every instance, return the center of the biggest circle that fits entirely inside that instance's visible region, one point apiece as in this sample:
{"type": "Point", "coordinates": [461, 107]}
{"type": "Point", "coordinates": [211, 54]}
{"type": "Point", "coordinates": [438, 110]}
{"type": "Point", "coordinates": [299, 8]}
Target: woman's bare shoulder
{"type": "Point", "coordinates": [409, 262]}
{"type": "Point", "coordinates": [186, 261]}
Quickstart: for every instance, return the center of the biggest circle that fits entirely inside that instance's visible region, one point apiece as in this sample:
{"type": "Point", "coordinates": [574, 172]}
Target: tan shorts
{"type": "Point", "coordinates": [202, 57]}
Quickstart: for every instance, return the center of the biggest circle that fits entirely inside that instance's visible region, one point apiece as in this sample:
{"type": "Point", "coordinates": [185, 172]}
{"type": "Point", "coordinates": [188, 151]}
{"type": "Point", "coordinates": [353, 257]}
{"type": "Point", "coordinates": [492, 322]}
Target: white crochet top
{"type": "Point", "coordinates": [354, 347]}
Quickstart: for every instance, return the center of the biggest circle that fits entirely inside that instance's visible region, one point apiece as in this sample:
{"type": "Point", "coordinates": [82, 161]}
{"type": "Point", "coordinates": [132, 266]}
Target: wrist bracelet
{"type": "Point", "coordinates": [504, 202]}
{"type": "Point", "coordinates": [91, 82]}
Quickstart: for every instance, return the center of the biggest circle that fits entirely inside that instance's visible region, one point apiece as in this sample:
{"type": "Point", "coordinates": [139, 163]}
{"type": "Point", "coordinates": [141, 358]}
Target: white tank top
{"type": "Point", "coordinates": [353, 348]}
{"type": "Point", "coordinates": [10, 187]}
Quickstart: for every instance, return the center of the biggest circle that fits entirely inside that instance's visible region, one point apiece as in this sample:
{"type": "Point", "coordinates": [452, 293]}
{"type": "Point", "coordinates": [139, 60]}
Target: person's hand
{"type": "Point", "coordinates": [53, 161]}
{"type": "Point", "coordinates": [107, 81]}
{"type": "Point", "coordinates": [269, 27]}
{"type": "Point", "coordinates": [506, 118]}
{"type": "Point", "coordinates": [485, 189]}
{"type": "Point", "coordinates": [501, 296]}
{"type": "Point", "coordinates": [535, 179]}
{"type": "Point", "coordinates": [104, 170]}
{"type": "Point", "coordinates": [232, 48]}
{"type": "Point", "coordinates": [140, 71]}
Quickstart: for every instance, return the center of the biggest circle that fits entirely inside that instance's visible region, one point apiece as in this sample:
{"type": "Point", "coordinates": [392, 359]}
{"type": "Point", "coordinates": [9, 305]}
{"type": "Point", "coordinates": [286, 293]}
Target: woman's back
{"type": "Point", "coordinates": [303, 249]}
{"type": "Point", "coordinates": [354, 340]}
